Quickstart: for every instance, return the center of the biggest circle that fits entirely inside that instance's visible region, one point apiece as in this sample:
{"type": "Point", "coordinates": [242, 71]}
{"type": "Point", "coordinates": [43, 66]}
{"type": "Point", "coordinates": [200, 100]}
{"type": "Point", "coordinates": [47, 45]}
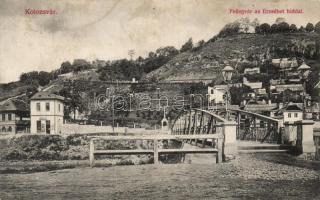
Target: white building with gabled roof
{"type": "Point", "coordinates": [46, 113]}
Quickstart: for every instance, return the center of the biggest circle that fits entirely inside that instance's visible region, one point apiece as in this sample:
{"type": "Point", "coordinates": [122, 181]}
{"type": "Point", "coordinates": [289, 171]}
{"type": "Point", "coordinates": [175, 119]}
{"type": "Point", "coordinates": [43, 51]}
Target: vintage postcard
{"type": "Point", "coordinates": [159, 99]}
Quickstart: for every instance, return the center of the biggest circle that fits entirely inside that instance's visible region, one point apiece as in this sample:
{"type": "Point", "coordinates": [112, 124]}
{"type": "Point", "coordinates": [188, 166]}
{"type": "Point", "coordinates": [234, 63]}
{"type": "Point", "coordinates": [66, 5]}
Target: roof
{"type": "Point", "coordinates": [46, 96]}
{"type": "Point", "coordinates": [14, 105]}
{"type": "Point", "coordinates": [221, 87]}
{"type": "Point", "coordinates": [228, 68]}
{"type": "Point", "coordinates": [292, 107]}
{"type": "Point", "coordinates": [260, 107]}
{"type": "Point", "coordinates": [292, 87]}
{"type": "Point", "coordinates": [285, 63]}
{"type": "Point", "coordinates": [254, 85]}
{"type": "Point", "coordinates": [304, 66]}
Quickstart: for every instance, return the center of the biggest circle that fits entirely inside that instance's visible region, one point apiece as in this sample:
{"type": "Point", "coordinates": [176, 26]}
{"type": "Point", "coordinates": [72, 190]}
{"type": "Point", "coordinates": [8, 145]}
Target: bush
{"type": "Point", "coordinates": [36, 147]}
{"type": "Point", "coordinates": [14, 154]}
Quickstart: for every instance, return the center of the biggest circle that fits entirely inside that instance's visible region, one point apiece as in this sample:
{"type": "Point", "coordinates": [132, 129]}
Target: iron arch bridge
{"type": "Point", "coordinates": [197, 121]}
{"type": "Point", "coordinates": [256, 127]}
{"type": "Point", "coordinates": [250, 126]}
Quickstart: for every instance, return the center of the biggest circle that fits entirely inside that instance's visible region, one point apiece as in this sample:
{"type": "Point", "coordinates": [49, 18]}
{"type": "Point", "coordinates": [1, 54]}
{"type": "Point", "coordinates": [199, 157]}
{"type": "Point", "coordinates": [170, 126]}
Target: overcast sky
{"type": "Point", "coordinates": [107, 29]}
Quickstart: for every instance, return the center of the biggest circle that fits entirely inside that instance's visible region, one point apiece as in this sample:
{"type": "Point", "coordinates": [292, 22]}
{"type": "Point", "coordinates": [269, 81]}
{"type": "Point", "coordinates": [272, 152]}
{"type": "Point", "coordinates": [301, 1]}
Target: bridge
{"type": "Point", "coordinates": [217, 134]}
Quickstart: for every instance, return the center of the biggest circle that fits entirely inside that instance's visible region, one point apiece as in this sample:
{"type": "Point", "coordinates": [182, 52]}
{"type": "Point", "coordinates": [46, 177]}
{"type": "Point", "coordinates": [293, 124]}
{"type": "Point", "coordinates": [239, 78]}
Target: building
{"type": "Point", "coordinates": [46, 113]}
{"type": "Point", "coordinates": [252, 85]}
{"type": "Point", "coordinates": [285, 64]}
{"type": "Point", "coordinates": [14, 117]}
{"type": "Point", "coordinates": [263, 108]}
{"type": "Point", "coordinates": [216, 94]}
{"type": "Point", "coordinates": [292, 113]}
{"type": "Point", "coordinates": [255, 70]}
{"type": "Point", "coordinates": [298, 88]}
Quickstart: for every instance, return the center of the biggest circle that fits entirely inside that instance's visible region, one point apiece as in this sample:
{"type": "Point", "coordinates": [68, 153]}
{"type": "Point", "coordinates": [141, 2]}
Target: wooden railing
{"type": "Point", "coordinates": [217, 140]}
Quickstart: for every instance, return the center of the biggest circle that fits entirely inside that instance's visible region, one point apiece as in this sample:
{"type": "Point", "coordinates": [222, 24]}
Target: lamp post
{"type": "Point", "coordinates": [208, 101]}
{"type": "Point", "coordinates": [227, 73]}
{"type": "Point", "coordinates": [158, 93]}
{"type": "Point", "coordinates": [304, 71]}
{"type": "Point", "coordinates": [191, 98]}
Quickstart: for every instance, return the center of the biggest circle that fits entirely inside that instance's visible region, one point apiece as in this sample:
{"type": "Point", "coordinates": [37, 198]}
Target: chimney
{"type": "Point", "coordinates": [269, 102]}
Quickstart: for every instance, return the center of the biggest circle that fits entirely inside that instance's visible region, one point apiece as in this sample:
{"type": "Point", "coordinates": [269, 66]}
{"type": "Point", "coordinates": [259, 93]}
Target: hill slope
{"type": "Point", "coordinates": [240, 50]}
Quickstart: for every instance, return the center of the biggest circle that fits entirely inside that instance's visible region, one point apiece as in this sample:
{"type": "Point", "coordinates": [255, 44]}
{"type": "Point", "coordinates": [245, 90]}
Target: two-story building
{"type": "Point", "coordinates": [14, 117]}
{"type": "Point", "coordinates": [292, 113]}
{"type": "Point", "coordinates": [46, 113]}
{"type": "Point", "coordinates": [216, 94]}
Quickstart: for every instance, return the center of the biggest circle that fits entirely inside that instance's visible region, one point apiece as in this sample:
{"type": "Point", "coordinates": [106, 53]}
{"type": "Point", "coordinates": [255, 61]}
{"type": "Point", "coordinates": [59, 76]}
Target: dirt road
{"type": "Point", "coordinates": [248, 177]}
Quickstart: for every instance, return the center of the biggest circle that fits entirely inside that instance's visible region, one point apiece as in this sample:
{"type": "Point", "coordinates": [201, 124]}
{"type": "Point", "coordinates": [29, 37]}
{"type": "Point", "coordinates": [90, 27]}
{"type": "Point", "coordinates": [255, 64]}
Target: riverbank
{"type": "Point", "coordinates": [250, 176]}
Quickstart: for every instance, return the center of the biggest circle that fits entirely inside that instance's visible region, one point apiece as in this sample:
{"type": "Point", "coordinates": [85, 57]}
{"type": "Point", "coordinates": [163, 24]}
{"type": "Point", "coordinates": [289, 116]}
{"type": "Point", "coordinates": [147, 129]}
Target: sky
{"type": "Point", "coordinates": [107, 29]}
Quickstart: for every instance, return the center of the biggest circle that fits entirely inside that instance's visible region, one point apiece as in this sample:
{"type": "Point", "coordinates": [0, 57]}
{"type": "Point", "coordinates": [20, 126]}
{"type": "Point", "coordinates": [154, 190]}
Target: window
{"type": "Point", "coordinates": [10, 129]}
{"type": "Point", "coordinates": [295, 115]}
{"type": "Point", "coordinates": [3, 117]}
{"type": "Point", "coordinates": [289, 115]}
{"type": "Point", "coordinates": [59, 107]}
{"type": "Point", "coordinates": [38, 106]}
{"type": "Point", "coordinates": [9, 117]}
{"type": "Point", "coordinates": [38, 126]}
{"type": "Point", "coordinates": [262, 124]}
{"type": "Point", "coordinates": [47, 106]}
{"type": "Point", "coordinates": [3, 129]}
{"type": "Point", "coordinates": [48, 126]}
{"type": "Point", "coordinates": [212, 92]}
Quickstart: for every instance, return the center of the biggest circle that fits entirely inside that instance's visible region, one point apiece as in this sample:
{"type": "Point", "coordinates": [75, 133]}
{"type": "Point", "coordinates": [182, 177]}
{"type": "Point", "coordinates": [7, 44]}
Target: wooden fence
{"type": "Point", "coordinates": [216, 149]}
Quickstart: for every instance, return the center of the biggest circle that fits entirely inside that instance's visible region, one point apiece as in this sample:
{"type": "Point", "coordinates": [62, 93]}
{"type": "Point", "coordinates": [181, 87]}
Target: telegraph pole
{"type": "Point", "coordinates": [131, 53]}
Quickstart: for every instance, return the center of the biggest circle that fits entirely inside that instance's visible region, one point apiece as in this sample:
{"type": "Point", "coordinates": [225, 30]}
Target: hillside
{"type": "Point", "coordinates": [239, 50]}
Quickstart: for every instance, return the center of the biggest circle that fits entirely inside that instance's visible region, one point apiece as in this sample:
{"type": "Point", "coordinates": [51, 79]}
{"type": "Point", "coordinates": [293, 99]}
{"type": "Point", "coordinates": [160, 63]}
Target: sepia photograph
{"type": "Point", "coordinates": [159, 99]}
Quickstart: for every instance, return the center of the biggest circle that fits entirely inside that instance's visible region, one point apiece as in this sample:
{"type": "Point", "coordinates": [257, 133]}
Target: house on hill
{"type": "Point", "coordinates": [47, 112]}
{"type": "Point", "coordinates": [253, 85]}
{"type": "Point", "coordinates": [292, 113]}
{"type": "Point", "coordinates": [293, 87]}
{"type": "Point", "coordinates": [216, 94]}
{"type": "Point", "coordinates": [14, 117]}
{"type": "Point", "coordinates": [251, 71]}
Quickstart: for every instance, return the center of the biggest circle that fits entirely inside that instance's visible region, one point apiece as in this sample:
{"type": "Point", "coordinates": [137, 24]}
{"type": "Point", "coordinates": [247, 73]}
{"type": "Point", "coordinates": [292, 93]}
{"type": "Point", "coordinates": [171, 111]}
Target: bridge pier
{"type": "Point", "coordinates": [230, 139]}
{"type": "Point", "coordinates": [300, 135]}
{"type": "Point", "coordinates": [305, 142]}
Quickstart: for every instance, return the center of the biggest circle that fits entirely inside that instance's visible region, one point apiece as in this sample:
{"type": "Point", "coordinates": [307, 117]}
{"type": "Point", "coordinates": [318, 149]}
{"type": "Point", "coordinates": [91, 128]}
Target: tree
{"type": "Point", "coordinates": [237, 94]}
{"type": "Point", "coordinates": [317, 27]}
{"type": "Point", "coordinates": [66, 67]}
{"type": "Point", "coordinates": [274, 28]}
{"type": "Point", "coordinates": [302, 29]}
{"type": "Point", "coordinates": [264, 28]}
{"type": "Point", "coordinates": [283, 27]}
{"type": "Point", "coordinates": [230, 29]}
{"type": "Point", "coordinates": [309, 27]}
{"type": "Point", "coordinates": [293, 28]}
{"type": "Point", "coordinates": [167, 51]}
{"type": "Point", "coordinates": [44, 78]}
{"type": "Point", "coordinates": [187, 46]}
{"type": "Point", "coordinates": [73, 99]}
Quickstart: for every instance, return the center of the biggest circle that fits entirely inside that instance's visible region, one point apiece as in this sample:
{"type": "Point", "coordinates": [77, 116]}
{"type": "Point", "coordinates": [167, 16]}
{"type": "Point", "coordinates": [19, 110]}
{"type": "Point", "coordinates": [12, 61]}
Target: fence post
{"type": "Point", "coordinates": [230, 140]}
{"type": "Point", "coordinates": [155, 153]}
{"type": "Point", "coordinates": [91, 153]}
{"type": "Point", "coordinates": [220, 149]}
